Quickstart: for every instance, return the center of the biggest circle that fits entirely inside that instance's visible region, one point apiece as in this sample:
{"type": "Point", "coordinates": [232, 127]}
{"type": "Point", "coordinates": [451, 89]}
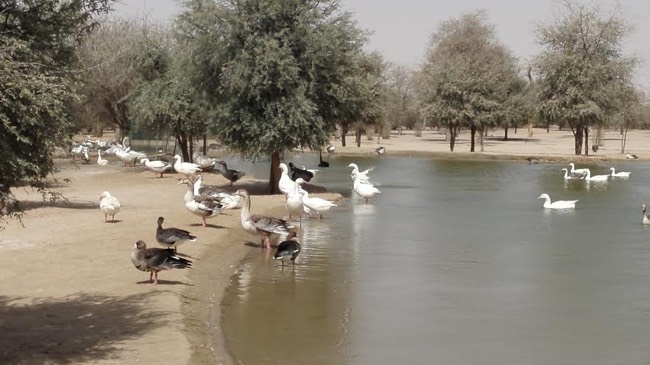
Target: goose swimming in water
{"type": "Point", "coordinates": [109, 205]}
{"type": "Point", "coordinates": [288, 250]}
{"type": "Point", "coordinates": [570, 177]}
{"type": "Point", "coordinates": [588, 177]}
{"type": "Point", "coordinates": [261, 225]}
{"type": "Point", "coordinates": [646, 219]}
{"type": "Point", "coordinates": [171, 237]}
{"type": "Point", "coordinates": [577, 172]}
{"type": "Point", "coordinates": [622, 174]}
{"type": "Point", "coordinates": [559, 204]}
{"type": "Point", "coordinates": [154, 260]}
{"type": "Point", "coordinates": [322, 163]}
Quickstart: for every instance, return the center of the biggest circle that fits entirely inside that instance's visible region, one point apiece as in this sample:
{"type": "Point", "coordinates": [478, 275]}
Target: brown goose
{"type": "Point", "coordinates": [232, 175]}
{"type": "Point", "coordinates": [171, 237]}
{"type": "Point", "coordinates": [154, 260]}
{"type": "Point", "coordinates": [288, 250]}
{"type": "Point", "coordinates": [261, 225]}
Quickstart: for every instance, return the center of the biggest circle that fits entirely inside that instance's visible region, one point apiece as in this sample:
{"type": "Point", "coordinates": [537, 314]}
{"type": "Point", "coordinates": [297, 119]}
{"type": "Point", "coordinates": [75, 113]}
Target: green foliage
{"type": "Point", "coordinates": [36, 49]}
{"type": "Point", "coordinates": [468, 75]}
{"type": "Point", "coordinates": [584, 78]}
{"type": "Point", "coordinates": [277, 73]}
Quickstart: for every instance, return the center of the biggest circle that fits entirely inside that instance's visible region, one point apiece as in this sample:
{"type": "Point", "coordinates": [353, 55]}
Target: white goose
{"type": "Point", "coordinates": [109, 205]}
{"type": "Point", "coordinates": [588, 177]}
{"type": "Point", "coordinates": [365, 190]}
{"type": "Point", "coordinates": [316, 204]}
{"type": "Point", "coordinates": [124, 156]}
{"type": "Point", "coordinates": [159, 167]}
{"type": "Point", "coordinates": [186, 168]}
{"type": "Point", "coordinates": [559, 204]}
{"type": "Point", "coordinates": [261, 225]}
{"type": "Point", "coordinates": [286, 185]}
{"type": "Point", "coordinates": [575, 171]}
{"type": "Point", "coordinates": [623, 174]}
{"type": "Point", "coordinates": [228, 201]}
{"type": "Point", "coordinates": [294, 200]}
{"type": "Point", "coordinates": [363, 175]}
{"type": "Point", "coordinates": [646, 219]}
{"type": "Point", "coordinates": [203, 206]}
{"type": "Point", "coordinates": [101, 161]}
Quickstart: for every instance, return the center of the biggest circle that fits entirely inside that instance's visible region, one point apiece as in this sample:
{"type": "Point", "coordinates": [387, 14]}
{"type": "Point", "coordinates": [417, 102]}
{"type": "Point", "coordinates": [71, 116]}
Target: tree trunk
{"type": "Point", "coordinates": [472, 137]}
{"type": "Point", "coordinates": [505, 136]}
{"type": "Point", "coordinates": [357, 136]}
{"type": "Point", "coordinates": [191, 149]}
{"type": "Point", "coordinates": [481, 138]}
{"type": "Point", "coordinates": [578, 140]}
{"type": "Point", "coordinates": [181, 137]}
{"type": "Point", "coordinates": [452, 137]}
{"type": "Point", "coordinates": [274, 174]}
{"type": "Point", "coordinates": [344, 131]}
{"type": "Point", "coordinates": [623, 138]}
{"type": "Point", "coordinates": [205, 144]}
{"type": "Point", "coordinates": [586, 141]}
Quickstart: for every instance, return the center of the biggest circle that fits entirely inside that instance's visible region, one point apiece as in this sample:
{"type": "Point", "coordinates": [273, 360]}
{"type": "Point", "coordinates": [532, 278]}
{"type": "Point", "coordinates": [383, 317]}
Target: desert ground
{"type": "Point", "coordinates": [71, 295]}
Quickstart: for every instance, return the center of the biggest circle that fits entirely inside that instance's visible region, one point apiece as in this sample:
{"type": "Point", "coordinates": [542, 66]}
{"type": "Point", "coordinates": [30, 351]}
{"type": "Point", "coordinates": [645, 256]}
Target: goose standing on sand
{"type": "Point", "coordinates": [186, 168]}
{"type": "Point", "coordinates": [379, 150]}
{"type": "Point", "coordinates": [109, 205]}
{"type": "Point", "coordinates": [317, 205]}
{"type": "Point", "coordinates": [203, 206]}
{"type": "Point", "coordinates": [154, 260]}
{"type": "Point", "coordinates": [261, 225]}
{"type": "Point", "coordinates": [588, 177]}
{"type": "Point", "coordinates": [623, 174]}
{"type": "Point", "coordinates": [330, 148]}
{"type": "Point", "coordinates": [159, 167]}
{"type": "Point", "coordinates": [577, 172]}
{"type": "Point", "coordinates": [288, 250]}
{"type": "Point", "coordinates": [631, 156]}
{"type": "Point", "coordinates": [365, 190]}
{"type": "Point", "coordinates": [646, 219]}
{"type": "Point", "coordinates": [285, 184]}
{"type": "Point", "coordinates": [363, 175]}
{"type": "Point", "coordinates": [171, 237]}
{"type": "Point", "coordinates": [206, 163]}
{"type": "Point", "coordinates": [559, 204]}
{"type": "Point", "coordinates": [230, 174]}
{"type": "Point", "coordinates": [101, 161]}
{"type": "Point", "coordinates": [228, 201]}
{"type": "Point", "coordinates": [296, 172]}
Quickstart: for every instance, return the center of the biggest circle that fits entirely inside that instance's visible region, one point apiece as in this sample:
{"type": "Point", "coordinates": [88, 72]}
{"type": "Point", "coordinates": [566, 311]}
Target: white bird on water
{"type": "Point", "coordinates": [558, 204]}
{"type": "Point", "coordinates": [588, 177]}
{"type": "Point", "coordinates": [622, 174]}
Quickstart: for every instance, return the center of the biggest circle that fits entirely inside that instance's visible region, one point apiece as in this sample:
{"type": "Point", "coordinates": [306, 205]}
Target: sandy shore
{"type": "Point", "coordinates": [71, 295]}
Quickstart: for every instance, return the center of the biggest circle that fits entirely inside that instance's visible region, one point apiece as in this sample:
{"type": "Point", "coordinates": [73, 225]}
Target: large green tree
{"type": "Point", "coordinates": [273, 70]}
{"type": "Point", "coordinates": [467, 76]}
{"type": "Point", "coordinates": [37, 41]}
{"type": "Point", "coordinates": [583, 74]}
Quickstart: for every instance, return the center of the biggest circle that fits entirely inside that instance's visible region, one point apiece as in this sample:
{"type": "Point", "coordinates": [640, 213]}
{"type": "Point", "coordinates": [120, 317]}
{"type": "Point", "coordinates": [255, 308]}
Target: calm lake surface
{"type": "Point", "coordinates": [454, 263]}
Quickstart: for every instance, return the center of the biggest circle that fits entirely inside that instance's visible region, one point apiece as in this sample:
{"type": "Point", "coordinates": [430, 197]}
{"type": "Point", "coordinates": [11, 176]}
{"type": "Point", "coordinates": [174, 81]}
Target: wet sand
{"type": "Point", "coordinates": [70, 293]}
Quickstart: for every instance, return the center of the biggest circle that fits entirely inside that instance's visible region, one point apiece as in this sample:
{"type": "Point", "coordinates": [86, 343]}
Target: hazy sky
{"type": "Point", "coordinates": [401, 28]}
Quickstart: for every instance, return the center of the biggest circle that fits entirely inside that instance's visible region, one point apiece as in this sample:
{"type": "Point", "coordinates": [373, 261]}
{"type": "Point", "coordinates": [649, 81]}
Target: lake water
{"type": "Point", "coordinates": [454, 263]}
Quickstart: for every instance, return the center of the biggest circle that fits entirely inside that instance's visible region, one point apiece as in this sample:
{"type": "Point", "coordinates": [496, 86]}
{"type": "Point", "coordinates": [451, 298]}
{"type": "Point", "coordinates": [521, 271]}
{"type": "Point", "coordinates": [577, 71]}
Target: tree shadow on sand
{"type": "Point", "coordinates": [75, 329]}
{"type": "Point", "coordinates": [26, 205]}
